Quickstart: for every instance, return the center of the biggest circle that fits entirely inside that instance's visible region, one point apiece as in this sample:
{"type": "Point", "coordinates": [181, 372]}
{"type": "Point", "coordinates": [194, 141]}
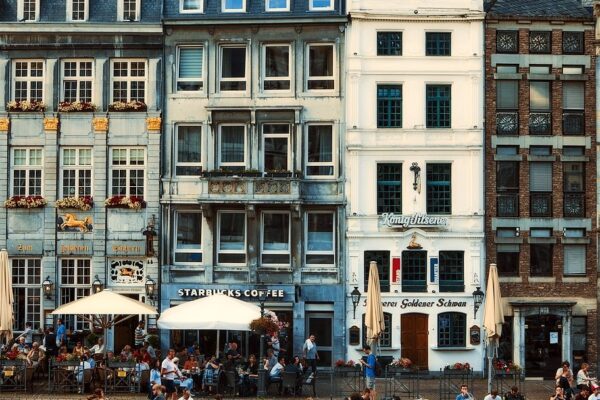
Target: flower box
{"type": "Point", "coordinates": [25, 202]}
{"type": "Point", "coordinates": [84, 203]}
{"type": "Point", "coordinates": [127, 202]}
{"type": "Point", "coordinates": [26, 106]}
{"type": "Point", "coordinates": [278, 174]}
{"type": "Point", "coordinates": [76, 106]}
{"type": "Point", "coordinates": [131, 106]}
{"type": "Point", "coordinates": [451, 371]}
{"type": "Point", "coordinates": [264, 325]}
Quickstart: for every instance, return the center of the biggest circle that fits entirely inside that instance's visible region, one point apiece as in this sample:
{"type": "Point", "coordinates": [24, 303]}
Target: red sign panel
{"type": "Point", "coordinates": [396, 270]}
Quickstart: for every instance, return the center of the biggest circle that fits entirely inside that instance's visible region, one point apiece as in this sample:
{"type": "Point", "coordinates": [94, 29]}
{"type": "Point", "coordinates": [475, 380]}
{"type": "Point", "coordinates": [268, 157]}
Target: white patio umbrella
{"type": "Point", "coordinates": [493, 317]}
{"type": "Point", "coordinates": [105, 309]}
{"type": "Point", "coordinates": [6, 298]}
{"type": "Point", "coordinates": [218, 312]}
{"type": "Point", "coordinates": [374, 314]}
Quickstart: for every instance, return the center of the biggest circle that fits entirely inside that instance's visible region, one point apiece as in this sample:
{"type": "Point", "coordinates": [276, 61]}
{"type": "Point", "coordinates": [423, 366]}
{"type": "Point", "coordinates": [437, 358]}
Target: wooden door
{"type": "Point", "coordinates": [124, 332]}
{"type": "Point", "coordinates": [414, 338]}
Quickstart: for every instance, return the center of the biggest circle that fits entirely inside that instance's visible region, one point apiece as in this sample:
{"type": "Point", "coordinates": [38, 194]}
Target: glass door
{"type": "Point", "coordinates": [543, 345]}
{"type": "Point", "coordinates": [320, 324]}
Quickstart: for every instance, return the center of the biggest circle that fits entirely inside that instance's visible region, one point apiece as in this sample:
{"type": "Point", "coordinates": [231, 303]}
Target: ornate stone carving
{"type": "Point", "coordinates": [227, 187]}
{"type": "Point", "coordinates": [4, 124]}
{"type": "Point", "coordinates": [51, 124]}
{"type": "Point", "coordinates": [100, 124]}
{"type": "Point", "coordinates": [272, 187]}
{"type": "Point", "coordinates": [153, 124]}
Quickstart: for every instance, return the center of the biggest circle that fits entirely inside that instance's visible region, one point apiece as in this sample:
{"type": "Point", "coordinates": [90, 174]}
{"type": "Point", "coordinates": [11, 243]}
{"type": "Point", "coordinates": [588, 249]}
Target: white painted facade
{"type": "Point", "coordinates": [460, 145]}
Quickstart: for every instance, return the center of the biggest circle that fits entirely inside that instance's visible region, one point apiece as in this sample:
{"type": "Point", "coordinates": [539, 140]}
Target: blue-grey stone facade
{"type": "Point", "coordinates": [106, 60]}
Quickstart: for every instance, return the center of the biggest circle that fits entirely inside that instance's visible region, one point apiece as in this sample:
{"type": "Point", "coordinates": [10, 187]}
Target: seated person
{"type": "Point", "coordinates": [126, 353]}
{"type": "Point", "coordinates": [275, 372]}
{"type": "Point", "coordinates": [191, 363]}
{"type": "Point", "coordinates": [514, 394]}
{"type": "Point", "coordinates": [78, 350]}
{"type": "Point", "coordinates": [211, 372]}
{"type": "Point", "coordinates": [35, 355]}
{"type": "Point", "coordinates": [23, 348]}
{"type": "Point", "coordinates": [584, 393]}
{"type": "Point", "coordinates": [98, 347]}
{"type": "Point", "coordinates": [229, 364]}
{"type": "Point", "coordinates": [296, 367]}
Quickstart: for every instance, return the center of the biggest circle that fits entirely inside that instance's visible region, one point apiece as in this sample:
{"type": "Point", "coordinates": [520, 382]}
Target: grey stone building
{"type": "Point", "coordinates": [79, 126]}
{"type": "Point", "coordinates": [252, 179]}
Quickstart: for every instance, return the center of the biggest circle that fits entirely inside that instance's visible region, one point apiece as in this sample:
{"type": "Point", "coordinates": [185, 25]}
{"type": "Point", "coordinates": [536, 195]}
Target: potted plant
{"type": "Point", "coordinates": [458, 368]}
{"type": "Point", "coordinates": [25, 202]}
{"type": "Point", "coordinates": [127, 202]}
{"type": "Point", "coordinates": [26, 106]}
{"type": "Point", "coordinates": [129, 106]}
{"type": "Point", "coordinates": [264, 325]}
{"type": "Point", "coordinates": [251, 173]}
{"type": "Point", "coordinates": [402, 363]}
{"type": "Point", "coordinates": [83, 203]}
{"type": "Point", "coordinates": [76, 106]}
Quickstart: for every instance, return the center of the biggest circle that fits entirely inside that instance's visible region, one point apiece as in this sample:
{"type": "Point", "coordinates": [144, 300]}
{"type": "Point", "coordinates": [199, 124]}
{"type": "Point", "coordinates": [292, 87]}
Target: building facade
{"type": "Point", "coordinates": [541, 187]}
{"type": "Point", "coordinates": [80, 130]}
{"type": "Point", "coordinates": [253, 184]}
{"type": "Point", "coordinates": [415, 176]}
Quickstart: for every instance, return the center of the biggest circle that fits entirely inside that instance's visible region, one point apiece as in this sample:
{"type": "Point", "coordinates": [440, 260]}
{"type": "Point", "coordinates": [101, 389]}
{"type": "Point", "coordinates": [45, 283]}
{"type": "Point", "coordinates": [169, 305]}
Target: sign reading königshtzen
{"type": "Point", "coordinates": [393, 220]}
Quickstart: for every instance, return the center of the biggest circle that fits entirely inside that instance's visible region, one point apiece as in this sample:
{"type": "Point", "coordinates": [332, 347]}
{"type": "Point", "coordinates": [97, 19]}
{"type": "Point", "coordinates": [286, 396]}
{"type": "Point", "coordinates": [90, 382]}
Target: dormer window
{"type": "Point", "coordinates": [320, 5]}
{"type": "Point", "coordinates": [77, 10]}
{"type": "Point", "coordinates": [233, 6]}
{"type": "Point", "coordinates": [190, 6]}
{"type": "Point", "coordinates": [277, 5]}
{"type": "Point", "coordinates": [29, 10]}
{"type": "Point", "coordinates": [129, 10]}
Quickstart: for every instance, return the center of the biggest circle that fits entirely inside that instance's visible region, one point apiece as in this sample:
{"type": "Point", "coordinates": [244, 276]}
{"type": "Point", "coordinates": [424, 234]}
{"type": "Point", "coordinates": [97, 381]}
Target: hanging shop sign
{"type": "Point", "coordinates": [393, 220]}
{"type": "Point", "coordinates": [239, 293]}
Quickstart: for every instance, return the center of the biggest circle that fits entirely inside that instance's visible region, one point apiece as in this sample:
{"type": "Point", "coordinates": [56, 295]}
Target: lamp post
{"type": "Point", "coordinates": [150, 286]}
{"type": "Point", "coordinates": [48, 287]}
{"type": "Point", "coordinates": [355, 295]}
{"type": "Point", "coordinates": [97, 285]}
{"type": "Point", "coordinates": [262, 373]}
{"type": "Point", "coordinates": [477, 300]}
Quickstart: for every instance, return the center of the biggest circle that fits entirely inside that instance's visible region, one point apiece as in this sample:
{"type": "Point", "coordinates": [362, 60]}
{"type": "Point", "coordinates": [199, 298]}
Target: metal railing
{"type": "Point", "coordinates": [574, 205]}
{"type": "Point", "coordinates": [540, 123]}
{"type": "Point", "coordinates": [507, 123]}
{"type": "Point", "coordinates": [507, 205]}
{"type": "Point", "coordinates": [540, 204]}
{"type": "Point", "coordinates": [573, 123]}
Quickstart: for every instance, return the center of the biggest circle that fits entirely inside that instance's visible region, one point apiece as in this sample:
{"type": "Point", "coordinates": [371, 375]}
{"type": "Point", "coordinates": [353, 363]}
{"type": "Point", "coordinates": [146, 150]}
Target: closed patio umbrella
{"type": "Point", "coordinates": [6, 298]}
{"type": "Point", "coordinates": [374, 315]}
{"type": "Point", "coordinates": [493, 317]}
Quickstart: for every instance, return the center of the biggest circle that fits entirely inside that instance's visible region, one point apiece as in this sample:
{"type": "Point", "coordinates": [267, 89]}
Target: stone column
{"type": "Point", "coordinates": [518, 337]}
{"type": "Point", "coordinates": [567, 354]}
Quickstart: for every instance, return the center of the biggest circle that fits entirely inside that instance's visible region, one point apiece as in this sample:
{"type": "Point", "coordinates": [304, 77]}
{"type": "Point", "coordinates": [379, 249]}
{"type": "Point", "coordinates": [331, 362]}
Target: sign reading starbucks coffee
{"type": "Point", "coordinates": [409, 221]}
{"type": "Point", "coordinates": [240, 293]}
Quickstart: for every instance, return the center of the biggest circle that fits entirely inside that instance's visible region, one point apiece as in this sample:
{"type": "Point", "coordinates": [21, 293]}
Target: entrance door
{"type": "Point", "coordinates": [414, 335]}
{"type": "Point", "coordinates": [124, 331]}
{"type": "Point", "coordinates": [543, 345]}
{"type": "Point", "coordinates": [320, 324]}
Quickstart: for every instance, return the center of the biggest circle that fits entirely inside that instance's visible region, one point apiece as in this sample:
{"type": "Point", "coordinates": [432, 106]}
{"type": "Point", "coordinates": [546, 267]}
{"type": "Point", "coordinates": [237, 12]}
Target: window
{"type": "Point", "coordinates": [231, 237]}
{"type": "Point", "coordinates": [320, 5]}
{"type": "Point", "coordinates": [507, 104]}
{"type": "Point", "coordinates": [77, 80]}
{"type": "Point", "coordinates": [76, 172]}
{"type": "Point", "coordinates": [540, 69]}
{"type": "Point", "coordinates": [540, 42]}
{"type": "Point", "coordinates": [539, 107]}
{"type": "Point", "coordinates": [232, 147]}
{"type": "Point", "coordinates": [277, 5]}
{"type": "Point", "coordinates": [574, 259]}
{"type": "Point", "coordinates": [506, 69]}
{"type": "Point", "coordinates": [128, 166]}
{"type": "Point", "coordinates": [319, 160]}
{"type": "Point", "coordinates": [576, 151]}
{"type": "Point", "coordinates": [438, 43]}
{"type": "Point", "coordinates": [189, 145]}
{"type": "Point", "coordinates": [507, 41]}
{"type": "Point", "coordinates": [507, 258]}
{"type": "Point", "coordinates": [29, 10]}
{"type": "Point", "coordinates": [439, 189]}
{"type": "Point", "coordinates": [28, 77]}
{"type": "Point", "coordinates": [129, 80]}
{"type": "Point", "coordinates": [276, 238]}
{"type": "Point", "coordinates": [233, 6]}
{"type": "Point", "coordinates": [574, 232]}
{"type": "Point", "coordinates": [541, 259]}
{"type": "Point", "coordinates": [573, 69]}
{"type": "Point", "coordinates": [574, 192]}
{"type": "Point", "coordinates": [26, 280]}
{"type": "Point", "coordinates": [27, 172]}
{"type": "Point", "coordinates": [277, 61]}
{"type": "Point", "coordinates": [190, 6]}
{"type": "Point", "coordinates": [188, 243]}
{"type": "Point", "coordinates": [414, 271]}
{"type": "Point", "coordinates": [573, 108]}
{"type": "Point", "coordinates": [507, 150]}
{"type": "Point", "coordinates": [385, 338]}
{"type": "Point", "coordinates": [452, 329]}
{"type": "Point", "coordinates": [573, 42]}
{"type": "Point", "coordinates": [389, 43]}
{"type": "Point", "coordinates": [77, 10]}
{"type": "Point", "coordinates": [190, 71]}
{"type": "Point", "coordinates": [438, 106]}
{"type": "Point", "coordinates": [540, 186]}
{"type": "Point", "coordinates": [321, 67]}
{"type": "Point", "coordinates": [129, 10]}
{"type": "Point", "coordinates": [541, 233]}
{"type": "Point", "coordinates": [389, 106]}
{"type": "Point", "coordinates": [320, 238]}
{"type": "Point", "coordinates": [507, 188]}
{"type": "Point", "coordinates": [389, 188]}
{"type": "Point", "coordinates": [452, 271]}
{"type": "Point", "coordinates": [540, 150]}
{"type": "Point", "coordinates": [233, 68]}
{"type": "Point", "coordinates": [276, 147]}
{"type": "Point", "coordinates": [382, 258]}
{"type": "Point", "coordinates": [74, 284]}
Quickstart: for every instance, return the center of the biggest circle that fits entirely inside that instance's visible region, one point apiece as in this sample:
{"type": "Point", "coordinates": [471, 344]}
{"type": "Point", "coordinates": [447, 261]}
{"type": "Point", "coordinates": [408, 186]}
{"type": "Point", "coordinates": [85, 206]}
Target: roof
{"type": "Point", "coordinates": [571, 9]}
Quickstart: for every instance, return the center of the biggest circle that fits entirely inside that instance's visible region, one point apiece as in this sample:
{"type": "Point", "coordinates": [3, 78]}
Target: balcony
{"type": "Point", "coordinates": [540, 204]}
{"type": "Point", "coordinates": [573, 123]}
{"type": "Point", "coordinates": [574, 205]}
{"type": "Point", "coordinates": [507, 123]}
{"type": "Point", "coordinates": [540, 123]}
{"type": "Point", "coordinates": [507, 205]}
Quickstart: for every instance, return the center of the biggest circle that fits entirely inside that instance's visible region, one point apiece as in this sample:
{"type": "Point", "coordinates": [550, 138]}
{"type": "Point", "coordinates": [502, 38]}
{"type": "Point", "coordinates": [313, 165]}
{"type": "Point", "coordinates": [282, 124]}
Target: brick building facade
{"type": "Point", "coordinates": [541, 177]}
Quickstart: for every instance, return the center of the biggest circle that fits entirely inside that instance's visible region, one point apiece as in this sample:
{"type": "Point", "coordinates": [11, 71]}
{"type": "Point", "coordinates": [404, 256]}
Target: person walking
{"type": "Point", "coordinates": [50, 342]}
{"type": "Point", "coordinates": [139, 335]}
{"type": "Point", "coordinates": [370, 366]}
{"type": "Point", "coordinates": [61, 333]}
{"type": "Point", "coordinates": [310, 353]}
{"type": "Point", "coordinates": [168, 373]}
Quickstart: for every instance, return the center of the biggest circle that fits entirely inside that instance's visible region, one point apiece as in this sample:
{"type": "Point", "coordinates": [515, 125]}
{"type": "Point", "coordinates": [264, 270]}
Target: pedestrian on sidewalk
{"type": "Point", "coordinates": [464, 393]}
{"type": "Point", "coordinates": [493, 395]}
{"type": "Point", "coordinates": [309, 351]}
{"type": "Point", "coordinates": [370, 366]}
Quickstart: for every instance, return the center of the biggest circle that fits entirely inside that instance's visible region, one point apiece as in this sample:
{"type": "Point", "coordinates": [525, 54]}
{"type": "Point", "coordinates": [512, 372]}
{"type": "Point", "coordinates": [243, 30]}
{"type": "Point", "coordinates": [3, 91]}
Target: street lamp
{"type": "Point", "coordinates": [355, 295]}
{"type": "Point", "coordinates": [48, 287]}
{"type": "Point", "coordinates": [477, 300]}
{"type": "Point", "coordinates": [150, 286]}
{"type": "Point", "coordinates": [262, 373]}
{"type": "Point", "coordinates": [97, 285]}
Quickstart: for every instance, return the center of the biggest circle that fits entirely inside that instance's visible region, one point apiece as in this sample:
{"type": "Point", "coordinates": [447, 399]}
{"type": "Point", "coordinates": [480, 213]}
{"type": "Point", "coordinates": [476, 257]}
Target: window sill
{"type": "Point", "coordinates": [435, 348]}
{"type": "Point", "coordinates": [510, 279]}
{"type": "Point", "coordinates": [542, 279]}
{"type": "Point", "coordinates": [575, 279]}
{"type": "Point", "coordinates": [188, 95]}
{"type": "Point", "coordinates": [189, 267]}
{"type": "Point", "coordinates": [275, 268]}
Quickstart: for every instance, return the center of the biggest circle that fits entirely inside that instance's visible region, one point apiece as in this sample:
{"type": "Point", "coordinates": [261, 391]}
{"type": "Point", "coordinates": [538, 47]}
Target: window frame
{"type": "Point", "coordinates": [452, 285]}
{"type": "Point", "coordinates": [581, 270]}
{"type": "Point", "coordinates": [438, 43]}
{"type": "Point", "coordinates": [383, 258]}
{"type": "Point", "coordinates": [21, 11]}
{"type": "Point", "coordinates": [128, 79]}
{"type": "Point", "coordinates": [200, 79]}
{"type": "Point", "coordinates": [121, 11]}
{"type": "Point", "coordinates": [514, 250]}
{"type": "Point", "coordinates": [176, 161]}
{"type": "Point", "coordinates": [386, 118]}
{"type": "Point", "coordinates": [27, 168]}
{"type": "Point", "coordinates": [385, 338]}
{"type": "Point", "coordinates": [454, 340]}
{"type": "Point", "coordinates": [385, 39]}
{"type": "Point", "coordinates": [220, 163]}
{"type": "Point", "coordinates": [386, 186]}
{"type": "Point", "coordinates": [438, 121]}
{"type": "Point", "coordinates": [275, 9]}
{"type": "Point", "coordinates": [334, 147]}
{"type": "Point", "coordinates": [333, 251]}
{"type": "Point", "coordinates": [247, 71]}
{"type": "Point", "coordinates": [218, 244]}
{"type": "Point", "coordinates": [182, 10]}
{"type": "Point", "coordinates": [311, 6]}
{"type": "Point", "coordinates": [177, 249]}
{"type": "Point", "coordinates": [275, 252]}
{"type": "Point", "coordinates": [31, 283]}
{"type": "Point", "coordinates": [265, 78]}
{"type": "Point", "coordinates": [429, 207]}
{"type": "Point", "coordinates": [29, 79]}
{"type": "Point", "coordinates": [333, 77]}
{"type": "Point", "coordinates": [78, 78]}
{"type": "Point", "coordinates": [548, 270]}
{"type": "Point", "coordinates": [80, 289]}
{"type": "Point", "coordinates": [86, 7]}
{"type": "Point", "coordinates": [128, 167]}
{"type": "Point", "coordinates": [411, 269]}
{"type": "Point", "coordinates": [224, 9]}
{"type": "Point", "coordinates": [287, 136]}
{"type": "Point", "coordinates": [77, 167]}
